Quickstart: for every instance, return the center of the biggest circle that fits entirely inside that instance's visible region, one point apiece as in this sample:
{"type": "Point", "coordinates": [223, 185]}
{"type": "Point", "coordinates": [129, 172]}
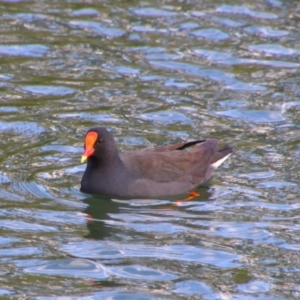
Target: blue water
{"type": "Point", "coordinates": [152, 73]}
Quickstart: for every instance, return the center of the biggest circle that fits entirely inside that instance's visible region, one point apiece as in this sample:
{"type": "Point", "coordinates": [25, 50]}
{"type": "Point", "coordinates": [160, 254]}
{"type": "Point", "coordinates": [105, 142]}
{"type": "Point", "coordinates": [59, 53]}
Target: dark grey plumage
{"type": "Point", "coordinates": [161, 171]}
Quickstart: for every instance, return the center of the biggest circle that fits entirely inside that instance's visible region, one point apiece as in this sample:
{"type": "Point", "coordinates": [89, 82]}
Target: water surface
{"type": "Point", "coordinates": [152, 73]}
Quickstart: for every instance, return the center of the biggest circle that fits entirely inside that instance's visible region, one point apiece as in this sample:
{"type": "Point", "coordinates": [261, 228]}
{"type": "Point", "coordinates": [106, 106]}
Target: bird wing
{"type": "Point", "coordinates": [170, 163]}
{"type": "Point", "coordinates": [176, 146]}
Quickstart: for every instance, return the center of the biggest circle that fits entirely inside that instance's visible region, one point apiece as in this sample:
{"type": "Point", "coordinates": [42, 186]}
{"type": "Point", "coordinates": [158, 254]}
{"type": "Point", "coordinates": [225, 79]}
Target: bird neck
{"type": "Point", "coordinates": [109, 160]}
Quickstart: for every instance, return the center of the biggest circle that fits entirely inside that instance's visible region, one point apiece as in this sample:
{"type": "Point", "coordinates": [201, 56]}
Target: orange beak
{"type": "Point", "coordinates": [89, 143]}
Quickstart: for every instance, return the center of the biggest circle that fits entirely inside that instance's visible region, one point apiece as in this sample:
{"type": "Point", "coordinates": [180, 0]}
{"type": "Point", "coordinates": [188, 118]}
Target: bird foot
{"type": "Point", "coordinates": [192, 195]}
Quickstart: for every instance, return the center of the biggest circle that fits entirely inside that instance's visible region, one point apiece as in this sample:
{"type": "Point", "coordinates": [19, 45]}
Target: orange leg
{"type": "Point", "coordinates": [192, 195]}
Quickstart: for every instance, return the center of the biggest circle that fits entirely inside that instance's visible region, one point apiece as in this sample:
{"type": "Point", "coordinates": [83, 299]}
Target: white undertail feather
{"type": "Point", "coordinates": [220, 161]}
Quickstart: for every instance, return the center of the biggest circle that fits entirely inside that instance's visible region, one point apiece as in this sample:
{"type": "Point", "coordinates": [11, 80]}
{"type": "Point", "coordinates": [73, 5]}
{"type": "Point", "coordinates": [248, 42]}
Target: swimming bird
{"type": "Point", "coordinates": [153, 172]}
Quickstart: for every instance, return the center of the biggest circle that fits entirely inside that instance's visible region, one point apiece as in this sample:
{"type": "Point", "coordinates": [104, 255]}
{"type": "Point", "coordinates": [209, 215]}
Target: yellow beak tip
{"type": "Point", "coordinates": [83, 159]}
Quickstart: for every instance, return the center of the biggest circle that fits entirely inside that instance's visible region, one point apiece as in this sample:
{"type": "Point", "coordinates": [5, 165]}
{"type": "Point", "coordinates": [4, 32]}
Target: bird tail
{"type": "Point", "coordinates": [221, 156]}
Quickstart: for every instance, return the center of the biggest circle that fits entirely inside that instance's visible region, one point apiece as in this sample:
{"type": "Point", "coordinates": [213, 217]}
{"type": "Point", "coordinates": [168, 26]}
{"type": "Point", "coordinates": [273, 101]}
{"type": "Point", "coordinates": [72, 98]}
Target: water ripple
{"type": "Point", "coordinates": [141, 273]}
{"type": "Point", "coordinates": [166, 117]}
{"type": "Point", "coordinates": [4, 178]}
{"type": "Point", "coordinates": [100, 118]}
{"type": "Point", "coordinates": [251, 231]}
{"type": "Point", "coordinates": [212, 74]}
{"type": "Point", "coordinates": [152, 12]}
{"type": "Point", "coordinates": [59, 217]}
{"type": "Point", "coordinates": [223, 58]}
{"type": "Point", "coordinates": [19, 251]}
{"type": "Point", "coordinates": [273, 49]}
{"type": "Point", "coordinates": [8, 240]}
{"type": "Point", "coordinates": [48, 90]}
{"type": "Point", "coordinates": [110, 250]}
{"type": "Point", "coordinates": [256, 116]}
{"type": "Point", "coordinates": [19, 127]}
{"type": "Point", "coordinates": [254, 287]}
{"type": "Point", "coordinates": [211, 34]}
{"type": "Point", "coordinates": [25, 226]}
{"type": "Point", "coordinates": [85, 12]}
{"type": "Point", "coordinates": [98, 28]}
{"type": "Point", "coordinates": [4, 292]}
{"type": "Point", "coordinates": [239, 9]}
{"type": "Point", "coordinates": [153, 73]}
{"type": "Point", "coordinates": [229, 22]}
{"type": "Point", "coordinates": [191, 287]}
{"type": "Point", "coordinates": [266, 31]}
{"type": "Point", "coordinates": [110, 294]}
{"type": "Point", "coordinates": [71, 267]}
{"type": "Point", "coordinates": [24, 50]}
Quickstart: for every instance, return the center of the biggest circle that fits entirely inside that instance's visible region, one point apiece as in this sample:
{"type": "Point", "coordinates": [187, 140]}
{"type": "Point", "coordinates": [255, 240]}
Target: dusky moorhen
{"type": "Point", "coordinates": [161, 171]}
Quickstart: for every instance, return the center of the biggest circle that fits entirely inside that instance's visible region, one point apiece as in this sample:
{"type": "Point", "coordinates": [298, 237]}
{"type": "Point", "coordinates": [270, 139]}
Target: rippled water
{"type": "Point", "coordinates": [152, 73]}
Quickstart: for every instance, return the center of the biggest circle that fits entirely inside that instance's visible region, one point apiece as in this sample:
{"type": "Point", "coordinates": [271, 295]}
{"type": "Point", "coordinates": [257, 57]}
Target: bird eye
{"type": "Point", "coordinates": [100, 141]}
